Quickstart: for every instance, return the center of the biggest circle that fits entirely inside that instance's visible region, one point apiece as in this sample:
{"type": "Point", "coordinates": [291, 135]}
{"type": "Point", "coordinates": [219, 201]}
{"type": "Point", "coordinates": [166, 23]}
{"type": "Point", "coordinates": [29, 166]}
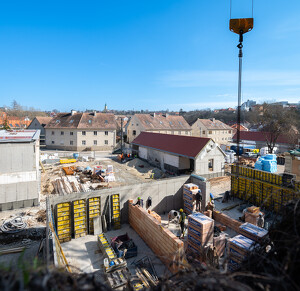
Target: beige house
{"type": "Point", "coordinates": [214, 129]}
{"type": "Point", "coordinates": [157, 123]}
{"type": "Point", "coordinates": [81, 131]}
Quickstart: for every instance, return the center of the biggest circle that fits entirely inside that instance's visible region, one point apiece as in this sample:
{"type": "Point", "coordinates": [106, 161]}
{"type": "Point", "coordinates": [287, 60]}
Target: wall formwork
{"type": "Point", "coordinates": [264, 189]}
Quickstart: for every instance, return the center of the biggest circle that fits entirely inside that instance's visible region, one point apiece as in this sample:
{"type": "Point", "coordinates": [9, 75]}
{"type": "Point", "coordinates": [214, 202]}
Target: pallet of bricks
{"type": "Point", "coordinates": [253, 232]}
{"type": "Point", "coordinates": [80, 218]}
{"type": "Point", "coordinates": [116, 213]}
{"type": "Point", "coordinates": [200, 234]}
{"type": "Point", "coordinates": [94, 210]}
{"type": "Point", "coordinates": [63, 221]}
{"type": "Point", "coordinates": [238, 249]}
{"type": "Point", "coordinates": [189, 192]}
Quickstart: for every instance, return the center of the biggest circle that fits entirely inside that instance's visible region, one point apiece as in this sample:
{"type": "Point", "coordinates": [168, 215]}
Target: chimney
{"type": "Point", "coordinates": [153, 114]}
{"type": "Point", "coordinates": [213, 119]}
{"type": "Point", "coordinates": [94, 112]}
{"type": "Point", "coordinates": [73, 112]}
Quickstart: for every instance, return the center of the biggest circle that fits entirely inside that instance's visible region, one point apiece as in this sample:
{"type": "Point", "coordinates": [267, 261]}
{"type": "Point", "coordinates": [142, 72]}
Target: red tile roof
{"type": "Point", "coordinates": [242, 127]}
{"type": "Point", "coordinates": [188, 146]}
{"type": "Point", "coordinates": [260, 136]}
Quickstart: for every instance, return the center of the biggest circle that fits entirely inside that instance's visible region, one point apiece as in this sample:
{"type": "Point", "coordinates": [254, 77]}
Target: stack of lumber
{"type": "Point", "coordinates": [68, 184]}
{"type": "Point", "coordinates": [189, 192]}
{"type": "Point", "coordinates": [200, 233]}
{"type": "Point", "coordinates": [253, 232]}
{"type": "Point", "coordinates": [238, 250]}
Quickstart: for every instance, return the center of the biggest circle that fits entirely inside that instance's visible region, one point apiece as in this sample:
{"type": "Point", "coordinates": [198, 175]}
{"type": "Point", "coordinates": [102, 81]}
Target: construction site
{"type": "Point", "coordinates": [170, 212]}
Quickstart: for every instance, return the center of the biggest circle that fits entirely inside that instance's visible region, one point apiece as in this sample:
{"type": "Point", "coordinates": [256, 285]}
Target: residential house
{"type": "Point", "coordinates": [81, 131]}
{"type": "Point", "coordinates": [179, 154]}
{"type": "Point", "coordinates": [167, 124]}
{"type": "Point", "coordinates": [40, 122]}
{"type": "Point", "coordinates": [14, 122]}
{"type": "Point", "coordinates": [259, 140]}
{"type": "Point", "coordinates": [212, 128]}
{"type": "Point", "coordinates": [19, 169]}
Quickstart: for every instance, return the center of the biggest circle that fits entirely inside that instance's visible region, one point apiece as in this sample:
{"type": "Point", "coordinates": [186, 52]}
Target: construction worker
{"type": "Point", "coordinates": [260, 220]}
{"type": "Point", "coordinates": [181, 222]}
{"type": "Point", "coordinates": [198, 197]}
{"type": "Point", "coordinates": [139, 202]}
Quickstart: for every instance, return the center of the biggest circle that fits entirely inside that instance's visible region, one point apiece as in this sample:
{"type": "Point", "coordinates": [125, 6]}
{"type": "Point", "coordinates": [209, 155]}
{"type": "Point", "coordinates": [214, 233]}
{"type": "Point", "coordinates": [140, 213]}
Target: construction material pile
{"type": "Point", "coordinates": [189, 192]}
{"type": "Point", "coordinates": [80, 179]}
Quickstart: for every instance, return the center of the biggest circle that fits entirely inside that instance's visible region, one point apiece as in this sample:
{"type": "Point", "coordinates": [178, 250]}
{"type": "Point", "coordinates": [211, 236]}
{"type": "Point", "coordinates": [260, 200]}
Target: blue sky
{"type": "Point", "coordinates": [145, 54]}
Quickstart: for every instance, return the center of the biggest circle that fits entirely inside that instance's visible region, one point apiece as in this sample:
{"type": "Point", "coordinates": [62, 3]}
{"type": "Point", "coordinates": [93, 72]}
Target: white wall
{"type": "Point", "coordinates": [143, 153]}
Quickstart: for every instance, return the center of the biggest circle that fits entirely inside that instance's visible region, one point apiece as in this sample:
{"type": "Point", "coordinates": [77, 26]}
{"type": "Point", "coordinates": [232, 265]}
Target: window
{"type": "Point", "coordinates": [83, 142]}
{"type": "Point", "coordinates": [210, 132]}
{"type": "Point", "coordinates": [137, 124]}
{"type": "Point", "coordinates": [180, 122]}
{"type": "Point", "coordinates": [95, 142]}
{"type": "Point", "coordinates": [52, 142]}
{"type": "Point", "coordinates": [203, 132]}
{"type": "Point", "coordinates": [134, 132]}
{"type": "Point", "coordinates": [106, 141]}
{"type": "Point", "coordinates": [71, 121]}
{"type": "Point", "coordinates": [211, 164]}
{"type": "Point", "coordinates": [71, 132]}
{"type": "Point", "coordinates": [83, 133]}
{"type": "Point", "coordinates": [90, 121]}
{"type": "Point", "coordinates": [95, 132]}
{"type": "Point", "coordinates": [106, 132]}
{"type": "Point", "coordinates": [52, 132]}
{"type": "Point", "coordinates": [170, 122]}
{"type": "Point", "coordinates": [62, 133]}
{"type": "Point", "coordinates": [229, 131]}
{"type": "Point", "coordinates": [186, 132]}
{"type": "Point", "coordinates": [107, 121]}
{"type": "Point", "coordinates": [71, 142]}
{"type": "Point", "coordinates": [57, 121]}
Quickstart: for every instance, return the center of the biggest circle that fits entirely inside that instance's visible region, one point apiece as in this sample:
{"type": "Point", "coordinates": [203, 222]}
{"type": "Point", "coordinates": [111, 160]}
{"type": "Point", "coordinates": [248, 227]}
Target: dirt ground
{"type": "Point", "coordinates": [219, 185]}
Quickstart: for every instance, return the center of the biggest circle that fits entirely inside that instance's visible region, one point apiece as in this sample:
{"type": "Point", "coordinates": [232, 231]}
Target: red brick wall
{"type": "Point", "coordinates": [162, 241]}
{"type": "Point", "coordinates": [226, 220]}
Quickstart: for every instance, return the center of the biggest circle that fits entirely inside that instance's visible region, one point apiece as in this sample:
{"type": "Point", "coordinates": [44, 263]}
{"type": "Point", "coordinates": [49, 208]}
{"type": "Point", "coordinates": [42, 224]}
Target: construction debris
{"type": "Point", "coordinates": [13, 225]}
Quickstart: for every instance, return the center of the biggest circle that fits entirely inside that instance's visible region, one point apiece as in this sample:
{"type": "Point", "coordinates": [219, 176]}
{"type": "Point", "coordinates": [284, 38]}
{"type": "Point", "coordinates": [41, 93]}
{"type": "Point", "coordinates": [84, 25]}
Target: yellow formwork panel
{"type": "Point", "coordinates": [94, 211]}
{"type": "Point", "coordinates": [63, 220]}
{"type": "Point", "coordinates": [80, 219]}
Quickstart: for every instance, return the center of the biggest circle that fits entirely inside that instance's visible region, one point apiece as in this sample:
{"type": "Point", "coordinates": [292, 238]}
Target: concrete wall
{"type": "Point", "coordinates": [19, 175]}
{"type": "Point", "coordinates": [56, 140]}
{"type": "Point", "coordinates": [166, 195]}
{"type": "Point", "coordinates": [204, 186]}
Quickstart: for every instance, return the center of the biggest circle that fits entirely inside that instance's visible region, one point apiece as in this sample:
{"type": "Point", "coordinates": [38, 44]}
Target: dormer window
{"type": "Point", "coordinates": [90, 121]}
{"type": "Point", "coordinates": [71, 121]}
{"type": "Point", "coordinates": [106, 121]}
{"type": "Point", "coordinates": [57, 121]}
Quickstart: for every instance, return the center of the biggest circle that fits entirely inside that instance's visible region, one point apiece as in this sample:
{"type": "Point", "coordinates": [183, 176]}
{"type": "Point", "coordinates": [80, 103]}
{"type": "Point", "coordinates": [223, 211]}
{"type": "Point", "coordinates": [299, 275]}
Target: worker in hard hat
{"type": "Point", "coordinates": [260, 220]}
{"type": "Point", "coordinates": [139, 202]}
{"type": "Point", "coordinates": [181, 222]}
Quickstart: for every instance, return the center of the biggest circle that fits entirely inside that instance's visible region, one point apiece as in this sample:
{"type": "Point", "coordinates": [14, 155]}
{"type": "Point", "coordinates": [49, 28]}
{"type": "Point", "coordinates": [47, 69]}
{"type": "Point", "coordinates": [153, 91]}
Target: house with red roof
{"type": "Point", "coordinates": [180, 154]}
{"type": "Point", "coordinates": [259, 140]}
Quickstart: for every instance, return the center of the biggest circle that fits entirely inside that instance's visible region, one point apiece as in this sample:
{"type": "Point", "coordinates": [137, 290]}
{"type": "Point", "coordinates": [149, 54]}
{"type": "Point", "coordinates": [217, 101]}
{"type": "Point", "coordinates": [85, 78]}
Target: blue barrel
{"type": "Point", "coordinates": [75, 156]}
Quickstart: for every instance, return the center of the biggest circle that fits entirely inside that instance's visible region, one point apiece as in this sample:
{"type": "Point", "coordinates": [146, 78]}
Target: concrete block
{"type": "Point", "coordinates": [11, 192]}
{"type": "Point", "coordinates": [97, 225]}
{"type": "Point", "coordinates": [28, 203]}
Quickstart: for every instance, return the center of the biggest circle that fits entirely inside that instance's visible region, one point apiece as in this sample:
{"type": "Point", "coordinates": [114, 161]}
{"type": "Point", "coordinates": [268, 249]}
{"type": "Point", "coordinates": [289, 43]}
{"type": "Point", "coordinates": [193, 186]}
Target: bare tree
{"type": "Point", "coordinates": [275, 120]}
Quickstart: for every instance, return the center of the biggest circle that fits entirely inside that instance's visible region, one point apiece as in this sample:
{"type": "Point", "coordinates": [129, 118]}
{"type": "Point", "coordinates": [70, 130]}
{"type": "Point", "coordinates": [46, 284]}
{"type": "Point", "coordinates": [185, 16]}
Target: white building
{"type": "Point", "coordinates": [180, 154]}
{"type": "Point", "coordinates": [19, 169]}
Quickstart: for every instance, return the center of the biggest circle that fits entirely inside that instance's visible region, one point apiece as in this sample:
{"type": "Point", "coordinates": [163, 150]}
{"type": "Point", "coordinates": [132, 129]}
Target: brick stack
{"type": "Point", "coordinates": [252, 214]}
{"type": "Point", "coordinates": [189, 192]}
{"type": "Point", "coordinates": [252, 231]}
{"type": "Point", "coordinates": [219, 243]}
{"type": "Point", "coordinates": [161, 240]}
{"type": "Point", "coordinates": [226, 220]}
{"type": "Point", "coordinates": [238, 250]}
{"type": "Point", "coordinates": [200, 233]}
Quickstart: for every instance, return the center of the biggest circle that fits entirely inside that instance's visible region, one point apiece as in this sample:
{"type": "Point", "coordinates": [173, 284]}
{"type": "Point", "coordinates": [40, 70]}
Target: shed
{"type": "Point", "coordinates": [179, 154]}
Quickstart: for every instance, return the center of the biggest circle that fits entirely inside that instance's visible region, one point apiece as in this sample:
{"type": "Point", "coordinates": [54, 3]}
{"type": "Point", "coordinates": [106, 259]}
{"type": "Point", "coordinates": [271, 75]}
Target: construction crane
{"type": "Point", "coordinates": [240, 26]}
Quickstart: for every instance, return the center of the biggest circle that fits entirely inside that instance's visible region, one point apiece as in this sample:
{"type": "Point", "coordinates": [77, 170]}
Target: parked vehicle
{"type": "Point", "coordinates": [250, 155]}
